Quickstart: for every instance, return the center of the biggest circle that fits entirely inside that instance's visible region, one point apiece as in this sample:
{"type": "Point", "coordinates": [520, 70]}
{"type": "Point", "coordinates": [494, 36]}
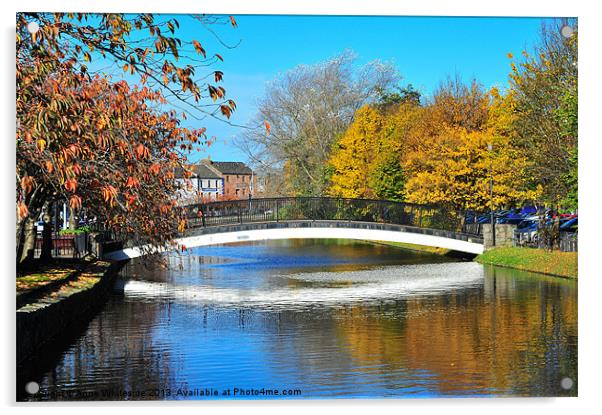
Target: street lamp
{"type": "Point", "coordinates": [490, 148]}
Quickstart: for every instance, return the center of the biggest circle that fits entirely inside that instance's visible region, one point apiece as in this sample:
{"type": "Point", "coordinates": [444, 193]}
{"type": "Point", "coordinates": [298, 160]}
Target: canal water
{"type": "Point", "coordinates": [322, 319]}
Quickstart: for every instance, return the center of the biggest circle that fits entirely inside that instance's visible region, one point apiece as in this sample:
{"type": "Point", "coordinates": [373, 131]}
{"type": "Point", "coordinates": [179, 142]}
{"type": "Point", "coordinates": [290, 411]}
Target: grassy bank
{"type": "Point", "coordinates": [555, 263]}
{"type": "Point", "coordinates": [561, 264]}
{"type": "Point", "coordinates": [58, 279]}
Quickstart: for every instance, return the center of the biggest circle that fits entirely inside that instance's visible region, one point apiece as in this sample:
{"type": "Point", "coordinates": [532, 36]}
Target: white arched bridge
{"type": "Point", "coordinates": [324, 218]}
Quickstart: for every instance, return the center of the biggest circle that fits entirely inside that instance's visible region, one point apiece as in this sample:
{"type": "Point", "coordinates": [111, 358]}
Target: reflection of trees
{"type": "Point", "coordinates": [303, 339]}
{"type": "Point", "coordinates": [173, 267]}
{"type": "Point", "coordinates": [375, 334]}
{"type": "Point", "coordinates": [516, 336]}
{"type": "Point", "coordinates": [119, 351]}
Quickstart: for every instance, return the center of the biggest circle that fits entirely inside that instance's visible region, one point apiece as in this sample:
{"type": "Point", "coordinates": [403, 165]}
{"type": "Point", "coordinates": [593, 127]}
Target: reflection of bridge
{"type": "Point", "coordinates": [325, 218]}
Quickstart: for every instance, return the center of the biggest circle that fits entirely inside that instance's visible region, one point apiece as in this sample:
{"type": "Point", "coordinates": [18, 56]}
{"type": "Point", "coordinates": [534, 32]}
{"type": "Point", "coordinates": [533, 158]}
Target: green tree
{"type": "Point", "coordinates": [398, 95]}
{"type": "Point", "coordinates": [544, 85]}
{"type": "Point", "coordinates": [567, 117]}
{"type": "Point", "coordinates": [388, 179]}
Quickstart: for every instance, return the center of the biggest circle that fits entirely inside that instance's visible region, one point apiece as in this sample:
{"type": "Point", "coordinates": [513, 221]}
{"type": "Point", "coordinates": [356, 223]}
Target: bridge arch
{"type": "Point", "coordinates": [319, 229]}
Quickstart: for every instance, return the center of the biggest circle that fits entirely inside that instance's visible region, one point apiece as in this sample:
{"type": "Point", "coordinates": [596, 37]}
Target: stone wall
{"type": "Point", "coordinates": [504, 233]}
{"type": "Point", "coordinates": [39, 327]}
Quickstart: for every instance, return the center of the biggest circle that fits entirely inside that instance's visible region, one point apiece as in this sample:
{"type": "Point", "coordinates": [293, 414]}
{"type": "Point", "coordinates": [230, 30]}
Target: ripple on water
{"type": "Point", "coordinates": [382, 284]}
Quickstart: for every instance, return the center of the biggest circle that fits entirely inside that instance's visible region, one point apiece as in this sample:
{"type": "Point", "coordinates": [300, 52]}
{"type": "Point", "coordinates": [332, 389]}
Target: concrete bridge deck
{"type": "Point", "coordinates": [319, 229]}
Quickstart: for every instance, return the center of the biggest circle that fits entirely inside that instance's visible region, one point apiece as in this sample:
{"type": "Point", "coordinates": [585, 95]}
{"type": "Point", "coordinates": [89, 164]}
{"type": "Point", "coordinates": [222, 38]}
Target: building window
{"type": "Point", "coordinates": [237, 192]}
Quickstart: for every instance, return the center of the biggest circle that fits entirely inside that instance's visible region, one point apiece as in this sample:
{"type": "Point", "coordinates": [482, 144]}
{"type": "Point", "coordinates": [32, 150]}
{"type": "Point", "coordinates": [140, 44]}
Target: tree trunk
{"type": "Point", "coordinates": [72, 219]}
{"type": "Point", "coordinates": [26, 237]}
{"type": "Point", "coordinates": [28, 242]}
{"type": "Point", "coordinates": [46, 254]}
{"type": "Point", "coordinates": [19, 239]}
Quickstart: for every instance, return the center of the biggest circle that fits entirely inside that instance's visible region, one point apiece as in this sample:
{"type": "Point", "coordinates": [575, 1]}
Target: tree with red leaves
{"type": "Point", "coordinates": [107, 146]}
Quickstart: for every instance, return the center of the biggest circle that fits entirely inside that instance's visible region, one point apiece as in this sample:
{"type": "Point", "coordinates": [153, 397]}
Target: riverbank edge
{"type": "Point", "coordinates": [533, 260]}
{"type": "Point", "coordinates": [39, 329]}
{"type": "Point", "coordinates": [500, 257]}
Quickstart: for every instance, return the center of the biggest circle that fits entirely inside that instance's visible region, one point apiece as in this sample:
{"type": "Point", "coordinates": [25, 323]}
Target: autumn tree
{"type": "Point", "coordinates": [100, 144]}
{"type": "Point", "coordinates": [306, 110]}
{"type": "Point", "coordinates": [146, 45]}
{"type": "Point", "coordinates": [544, 84]}
{"type": "Point", "coordinates": [450, 161]}
{"type": "Point", "coordinates": [352, 158]}
{"type": "Point", "coordinates": [367, 160]}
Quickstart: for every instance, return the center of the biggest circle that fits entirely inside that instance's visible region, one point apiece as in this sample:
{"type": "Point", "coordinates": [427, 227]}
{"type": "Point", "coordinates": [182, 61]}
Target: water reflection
{"type": "Point", "coordinates": [320, 288]}
{"type": "Point", "coordinates": [490, 339]}
{"type": "Point", "coordinates": [345, 323]}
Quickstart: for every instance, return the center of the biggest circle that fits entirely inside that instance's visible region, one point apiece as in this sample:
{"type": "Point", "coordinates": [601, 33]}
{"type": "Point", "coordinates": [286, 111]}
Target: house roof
{"type": "Point", "coordinates": [200, 171]}
{"type": "Point", "coordinates": [231, 167]}
{"type": "Point", "coordinates": [204, 172]}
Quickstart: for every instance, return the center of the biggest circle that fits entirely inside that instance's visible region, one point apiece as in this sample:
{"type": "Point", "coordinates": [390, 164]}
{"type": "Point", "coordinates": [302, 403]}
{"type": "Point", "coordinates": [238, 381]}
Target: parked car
{"type": "Point", "coordinates": [570, 225]}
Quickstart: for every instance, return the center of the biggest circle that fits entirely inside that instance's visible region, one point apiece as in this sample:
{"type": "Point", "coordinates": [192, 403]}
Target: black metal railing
{"type": "Point", "coordinates": [66, 246]}
{"type": "Point", "coordinates": [326, 208]}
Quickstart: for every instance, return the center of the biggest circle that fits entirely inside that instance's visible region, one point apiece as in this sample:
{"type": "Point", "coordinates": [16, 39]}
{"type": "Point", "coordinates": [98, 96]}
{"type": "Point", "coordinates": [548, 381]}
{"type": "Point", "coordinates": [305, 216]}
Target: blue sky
{"type": "Point", "coordinates": [425, 50]}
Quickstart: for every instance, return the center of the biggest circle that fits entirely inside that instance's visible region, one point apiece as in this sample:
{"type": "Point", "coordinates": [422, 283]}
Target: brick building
{"type": "Point", "coordinates": [220, 180]}
{"type": "Point", "coordinates": [239, 181]}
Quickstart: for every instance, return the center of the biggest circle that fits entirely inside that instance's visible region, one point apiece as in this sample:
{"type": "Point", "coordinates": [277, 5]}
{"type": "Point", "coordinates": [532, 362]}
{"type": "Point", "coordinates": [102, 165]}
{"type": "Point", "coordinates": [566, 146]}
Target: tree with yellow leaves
{"type": "Point", "coordinates": [366, 162]}
{"type": "Point", "coordinates": [450, 161]}
{"type": "Point", "coordinates": [354, 154]}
